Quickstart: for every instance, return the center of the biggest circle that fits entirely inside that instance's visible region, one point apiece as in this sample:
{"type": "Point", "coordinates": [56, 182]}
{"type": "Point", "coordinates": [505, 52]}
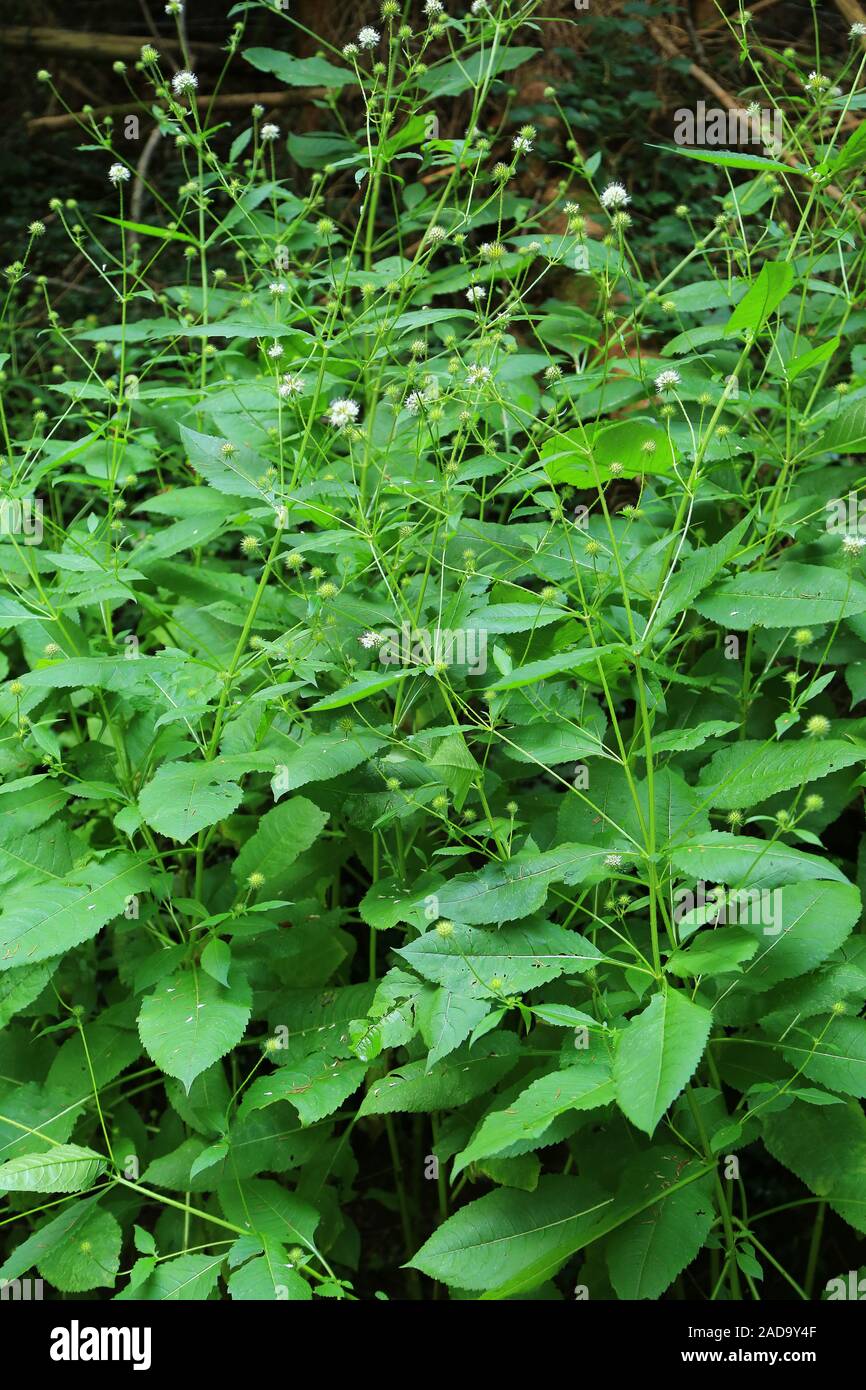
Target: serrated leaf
{"type": "Point", "coordinates": [62, 1168]}
{"type": "Point", "coordinates": [191, 1021]}
{"type": "Point", "coordinates": [656, 1055]}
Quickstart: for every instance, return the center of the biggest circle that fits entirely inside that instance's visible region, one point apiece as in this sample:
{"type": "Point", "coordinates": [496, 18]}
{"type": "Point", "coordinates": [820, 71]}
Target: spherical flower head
{"type": "Point", "coordinates": [325, 227]}
{"type": "Point", "coordinates": [803, 637]}
{"type": "Point", "coordinates": [434, 9]}
{"type": "Point", "coordinates": [390, 9]}
{"type": "Point", "coordinates": [592, 547]}
{"type": "Point", "coordinates": [734, 819]}
{"type": "Point", "coordinates": [256, 879]}
{"type": "Point", "coordinates": [440, 802]}
{"type": "Point", "coordinates": [250, 545]}
{"type": "Point", "coordinates": [51, 649]}
{"type": "Point", "coordinates": [613, 861]}
{"type": "Point", "coordinates": [521, 145]}
{"type": "Point", "coordinates": [667, 381]}
{"type": "Point", "coordinates": [118, 173]}
{"type": "Point", "coordinates": [174, 7]}
{"type": "Point", "coordinates": [857, 31]}
{"type": "Point", "coordinates": [269, 131]}
{"type": "Point", "coordinates": [16, 688]}
{"type": "Point", "coordinates": [478, 375]}
{"type": "Point", "coordinates": [342, 413]}
{"type": "Point", "coordinates": [278, 287]}
{"type": "Point", "coordinates": [492, 250]}
{"type": "Point", "coordinates": [36, 229]}
{"type": "Point", "coordinates": [184, 81]}
{"type": "Point", "coordinates": [350, 50]}
{"type": "Point", "coordinates": [275, 350]}
{"type": "Point", "coordinates": [368, 37]}
{"type": "Point", "coordinates": [436, 233]}
{"type": "Point", "coordinates": [818, 726]}
{"type": "Point", "coordinates": [816, 83]}
{"type": "Point", "coordinates": [614, 197]}
{"type": "Point", "coordinates": [327, 590]}
{"type": "Point", "coordinates": [814, 803]}
{"type": "Point", "coordinates": [474, 293]}
{"type": "Point", "coordinates": [291, 385]}
{"type": "Point", "coordinates": [444, 927]}
{"type": "Point", "coordinates": [371, 639]}
{"type": "Point", "coordinates": [853, 545]}
{"type": "Point", "coordinates": [43, 75]}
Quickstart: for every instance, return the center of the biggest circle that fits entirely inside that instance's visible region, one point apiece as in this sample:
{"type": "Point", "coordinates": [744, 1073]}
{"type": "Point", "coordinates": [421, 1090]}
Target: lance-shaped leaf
{"type": "Point", "coordinates": [656, 1054]}
{"type": "Point", "coordinates": [63, 1168]}
{"type": "Point", "coordinates": [45, 921]}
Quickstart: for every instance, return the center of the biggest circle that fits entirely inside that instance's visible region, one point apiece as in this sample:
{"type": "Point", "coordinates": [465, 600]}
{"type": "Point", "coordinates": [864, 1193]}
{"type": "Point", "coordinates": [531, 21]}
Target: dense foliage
{"type": "Point", "coordinates": [431, 793]}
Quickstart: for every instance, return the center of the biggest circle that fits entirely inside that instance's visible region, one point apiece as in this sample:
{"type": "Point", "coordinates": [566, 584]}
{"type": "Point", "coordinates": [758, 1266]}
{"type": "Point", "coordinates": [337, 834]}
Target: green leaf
{"type": "Point", "coordinates": [185, 797]}
{"type": "Point", "coordinates": [727, 159]}
{"type": "Point", "coordinates": [713, 953]}
{"type": "Point", "coordinates": [187, 1279]}
{"type": "Point", "coordinates": [656, 1054]}
{"type": "Point", "coordinates": [322, 757]}
{"type": "Point", "coordinates": [88, 1260]}
{"type": "Point", "coordinates": [191, 1021]}
{"type": "Point", "coordinates": [789, 596]}
{"type": "Point", "coordinates": [520, 957]}
{"type": "Point", "coordinates": [584, 1086]}
{"type": "Point", "coordinates": [283, 833]}
{"type": "Point", "coordinates": [826, 1148]}
{"type": "Point", "coordinates": [449, 79]}
{"type": "Point", "coordinates": [467, 1073]}
{"type": "Point", "coordinates": [497, 1236]}
{"type": "Point", "coordinates": [299, 72]}
{"type": "Point", "coordinates": [718, 856]}
{"type": "Point", "coordinates": [805, 923]}
{"type": "Point", "coordinates": [62, 1168]}
{"type": "Point", "coordinates": [749, 772]}
{"type": "Point", "coordinates": [38, 923]}
{"type": "Point", "coordinates": [646, 1254]}
{"type": "Point", "coordinates": [765, 295]}
{"type": "Point", "coordinates": [833, 1054]}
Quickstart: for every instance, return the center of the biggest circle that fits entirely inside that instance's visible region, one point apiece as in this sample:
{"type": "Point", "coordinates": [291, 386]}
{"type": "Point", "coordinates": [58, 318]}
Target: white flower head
{"type": "Point", "coordinates": [368, 37]}
{"type": "Point", "coordinates": [816, 82]}
{"type": "Point", "coordinates": [291, 385]}
{"type": "Point", "coordinates": [118, 173]}
{"type": "Point", "coordinates": [666, 381]}
{"type": "Point", "coordinates": [474, 293]}
{"type": "Point", "coordinates": [350, 50]}
{"type": "Point", "coordinates": [371, 639]}
{"type": "Point", "coordinates": [342, 413]}
{"type": "Point", "coordinates": [853, 545]}
{"type": "Point", "coordinates": [433, 8]}
{"type": "Point", "coordinates": [275, 350]}
{"type": "Point", "coordinates": [185, 81]}
{"type": "Point", "coordinates": [478, 376]}
{"type": "Point", "coordinates": [521, 145]}
{"type": "Point", "coordinates": [436, 233]}
{"type": "Point", "coordinates": [614, 197]}
{"type": "Point", "coordinates": [174, 7]}
{"type": "Point", "coordinates": [857, 31]}
{"type": "Point", "coordinates": [269, 131]}
{"type": "Point", "coordinates": [278, 287]}
{"type": "Point", "coordinates": [413, 402]}
{"type": "Point", "coordinates": [613, 861]}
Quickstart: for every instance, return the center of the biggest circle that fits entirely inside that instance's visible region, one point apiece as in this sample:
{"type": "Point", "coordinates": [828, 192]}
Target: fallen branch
{"type": "Point", "coordinates": [286, 97]}
{"type": "Point", "coordinates": [94, 45]}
